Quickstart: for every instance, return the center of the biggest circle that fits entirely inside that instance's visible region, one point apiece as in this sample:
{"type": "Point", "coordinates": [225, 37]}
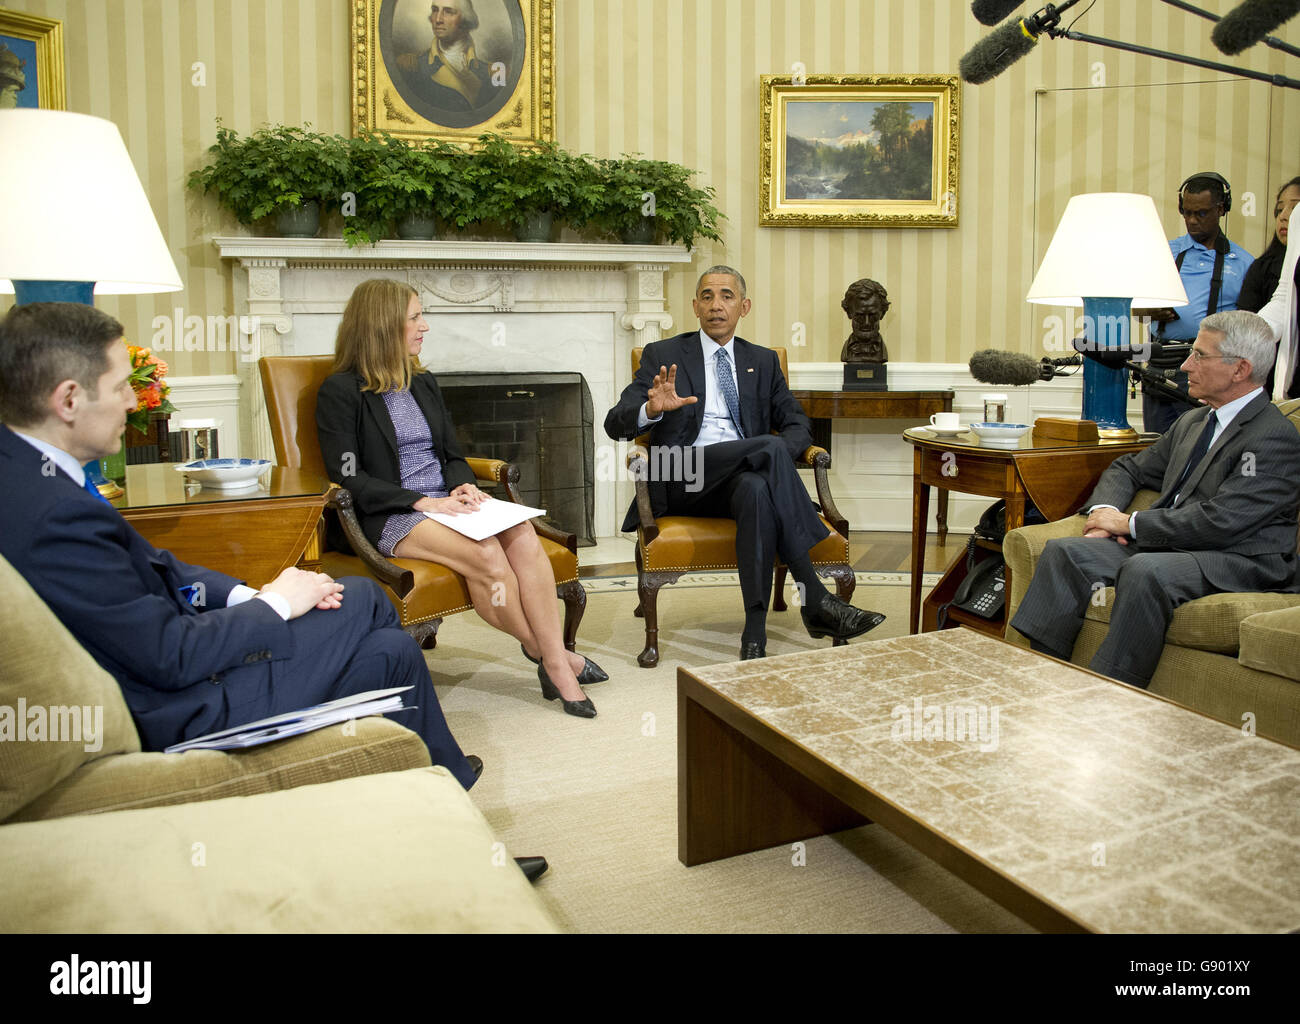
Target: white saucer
{"type": "Point", "coordinates": [947, 433]}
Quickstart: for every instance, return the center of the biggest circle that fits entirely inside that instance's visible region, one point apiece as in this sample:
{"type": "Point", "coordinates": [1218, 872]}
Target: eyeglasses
{"type": "Point", "coordinates": [1200, 357]}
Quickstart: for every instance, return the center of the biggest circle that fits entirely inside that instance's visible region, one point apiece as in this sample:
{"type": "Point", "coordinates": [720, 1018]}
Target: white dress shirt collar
{"type": "Point", "coordinates": [61, 458]}
{"type": "Point", "coordinates": [710, 348]}
{"type": "Point", "coordinates": [1227, 412]}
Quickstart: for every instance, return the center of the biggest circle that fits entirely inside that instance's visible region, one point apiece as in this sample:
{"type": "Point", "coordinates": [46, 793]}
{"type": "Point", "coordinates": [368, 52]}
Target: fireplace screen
{"type": "Point", "coordinates": [541, 422]}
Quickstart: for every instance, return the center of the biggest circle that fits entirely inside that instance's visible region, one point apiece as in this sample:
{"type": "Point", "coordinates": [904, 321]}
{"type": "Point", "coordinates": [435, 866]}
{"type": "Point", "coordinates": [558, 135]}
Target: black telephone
{"type": "Point", "coordinates": [984, 590]}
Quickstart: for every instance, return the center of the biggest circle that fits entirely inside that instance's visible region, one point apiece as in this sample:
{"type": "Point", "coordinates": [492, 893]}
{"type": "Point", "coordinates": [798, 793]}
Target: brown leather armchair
{"type": "Point", "coordinates": [424, 593]}
{"type": "Point", "coordinates": [667, 548]}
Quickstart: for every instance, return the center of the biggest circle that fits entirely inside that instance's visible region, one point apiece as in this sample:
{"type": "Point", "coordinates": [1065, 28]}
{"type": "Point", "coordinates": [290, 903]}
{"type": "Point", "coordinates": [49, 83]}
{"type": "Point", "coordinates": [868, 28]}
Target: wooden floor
{"type": "Point", "coordinates": [871, 550]}
{"type": "Point", "coordinates": [882, 551]}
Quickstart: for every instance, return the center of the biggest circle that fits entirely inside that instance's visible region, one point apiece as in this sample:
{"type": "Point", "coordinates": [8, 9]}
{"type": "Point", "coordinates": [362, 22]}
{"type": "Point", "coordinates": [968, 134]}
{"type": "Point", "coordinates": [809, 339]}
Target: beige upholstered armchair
{"type": "Point", "coordinates": [668, 547]}
{"type": "Point", "coordinates": [1235, 657]}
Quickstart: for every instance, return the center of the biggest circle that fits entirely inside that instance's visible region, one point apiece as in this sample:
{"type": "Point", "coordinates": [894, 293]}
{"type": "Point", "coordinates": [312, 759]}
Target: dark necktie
{"type": "Point", "coordinates": [727, 385]}
{"type": "Point", "coordinates": [95, 490]}
{"type": "Point", "coordinates": [1198, 453]}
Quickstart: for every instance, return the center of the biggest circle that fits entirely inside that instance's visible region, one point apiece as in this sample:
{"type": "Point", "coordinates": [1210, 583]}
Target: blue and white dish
{"type": "Point", "coordinates": [1001, 435]}
{"type": "Point", "coordinates": [225, 474]}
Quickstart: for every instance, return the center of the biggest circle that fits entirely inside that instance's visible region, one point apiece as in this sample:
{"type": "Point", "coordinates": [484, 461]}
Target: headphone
{"type": "Point", "coordinates": [1227, 189]}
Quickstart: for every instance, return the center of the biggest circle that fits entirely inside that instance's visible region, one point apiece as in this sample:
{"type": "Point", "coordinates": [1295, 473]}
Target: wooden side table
{"type": "Point", "coordinates": [823, 407]}
{"type": "Point", "coordinates": [253, 535]}
{"type": "Point", "coordinates": [1057, 476]}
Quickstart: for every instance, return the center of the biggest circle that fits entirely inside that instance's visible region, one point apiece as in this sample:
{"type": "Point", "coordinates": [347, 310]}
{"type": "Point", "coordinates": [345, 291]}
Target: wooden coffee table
{"type": "Point", "coordinates": [1082, 805]}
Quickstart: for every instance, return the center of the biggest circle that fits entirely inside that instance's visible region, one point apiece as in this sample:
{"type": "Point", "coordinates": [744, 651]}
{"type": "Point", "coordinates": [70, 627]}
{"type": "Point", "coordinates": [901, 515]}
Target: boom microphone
{"type": "Point", "coordinates": [996, 52]}
{"type": "Point", "coordinates": [1249, 22]}
{"type": "Point", "coordinates": [990, 12]}
{"type": "Point", "coordinates": [990, 366]}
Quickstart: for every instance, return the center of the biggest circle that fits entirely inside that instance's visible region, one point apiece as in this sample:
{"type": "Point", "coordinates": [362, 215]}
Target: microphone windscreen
{"type": "Point", "coordinates": [990, 12]}
{"type": "Point", "coordinates": [1249, 22]}
{"type": "Point", "coordinates": [989, 366]}
{"type": "Point", "coordinates": [996, 52]}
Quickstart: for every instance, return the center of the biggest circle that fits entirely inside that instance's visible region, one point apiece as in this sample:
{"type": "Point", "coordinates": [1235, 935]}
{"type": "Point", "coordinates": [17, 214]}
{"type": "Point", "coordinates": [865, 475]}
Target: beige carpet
{"type": "Point", "coordinates": [599, 798]}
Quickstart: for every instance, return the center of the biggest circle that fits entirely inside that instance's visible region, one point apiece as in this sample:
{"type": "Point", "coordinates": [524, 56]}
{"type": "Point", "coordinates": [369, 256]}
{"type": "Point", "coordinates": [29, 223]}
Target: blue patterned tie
{"type": "Point", "coordinates": [727, 384]}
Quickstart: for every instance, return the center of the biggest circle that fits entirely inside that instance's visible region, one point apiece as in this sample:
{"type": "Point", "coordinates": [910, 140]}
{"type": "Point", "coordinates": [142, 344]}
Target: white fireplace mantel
{"type": "Point", "coordinates": [491, 307]}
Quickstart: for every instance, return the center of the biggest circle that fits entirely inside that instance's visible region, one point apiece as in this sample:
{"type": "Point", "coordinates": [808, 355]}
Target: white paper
{"type": "Point", "coordinates": [489, 519]}
{"type": "Point", "coordinates": [293, 723]}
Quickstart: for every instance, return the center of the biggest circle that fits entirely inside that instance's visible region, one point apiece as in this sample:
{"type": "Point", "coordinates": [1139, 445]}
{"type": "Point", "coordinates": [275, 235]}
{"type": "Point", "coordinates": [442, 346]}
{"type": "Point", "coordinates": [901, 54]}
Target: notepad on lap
{"type": "Point", "coordinates": [489, 519]}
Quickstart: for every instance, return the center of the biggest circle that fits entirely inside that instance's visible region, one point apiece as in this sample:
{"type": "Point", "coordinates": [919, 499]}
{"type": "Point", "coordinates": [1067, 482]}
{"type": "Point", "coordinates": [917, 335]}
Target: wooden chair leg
{"type": "Point", "coordinates": [648, 590]}
{"type": "Point", "coordinates": [574, 597]}
{"type": "Point", "coordinates": [845, 581]}
{"type": "Point", "coordinates": [778, 595]}
{"type": "Point", "coordinates": [425, 633]}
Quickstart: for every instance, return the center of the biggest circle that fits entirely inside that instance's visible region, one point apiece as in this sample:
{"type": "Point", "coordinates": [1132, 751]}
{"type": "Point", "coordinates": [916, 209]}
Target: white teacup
{"type": "Point", "coordinates": [945, 421]}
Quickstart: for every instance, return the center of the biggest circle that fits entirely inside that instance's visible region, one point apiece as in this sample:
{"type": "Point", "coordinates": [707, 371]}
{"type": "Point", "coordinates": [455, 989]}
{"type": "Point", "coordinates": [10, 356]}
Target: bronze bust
{"type": "Point", "coordinates": [866, 302]}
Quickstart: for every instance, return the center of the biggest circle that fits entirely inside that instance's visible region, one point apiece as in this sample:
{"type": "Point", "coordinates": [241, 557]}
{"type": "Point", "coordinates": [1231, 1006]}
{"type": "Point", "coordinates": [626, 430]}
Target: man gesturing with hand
{"type": "Point", "coordinates": [726, 402]}
{"type": "Point", "coordinates": [194, 651]}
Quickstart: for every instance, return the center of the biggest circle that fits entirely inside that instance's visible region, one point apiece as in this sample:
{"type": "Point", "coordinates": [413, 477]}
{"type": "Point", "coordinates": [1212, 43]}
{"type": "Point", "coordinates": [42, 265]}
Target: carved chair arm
{"type": "Point", "coordinates": [506, 474]}
{"type": "Point", "coordinates": [820, 461]}
{"type": "Point", "coordinates": [402, 581]}
{"type": "Point", "coordinates": [638, 465]}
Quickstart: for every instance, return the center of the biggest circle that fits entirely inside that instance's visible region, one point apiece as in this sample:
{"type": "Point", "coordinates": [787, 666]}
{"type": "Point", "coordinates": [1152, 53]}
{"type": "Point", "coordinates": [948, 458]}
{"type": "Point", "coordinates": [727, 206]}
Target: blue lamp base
{"type": "Point", "coordinates": [1107, 325]}
{"type": "Point", "coordinates": [54, 291]}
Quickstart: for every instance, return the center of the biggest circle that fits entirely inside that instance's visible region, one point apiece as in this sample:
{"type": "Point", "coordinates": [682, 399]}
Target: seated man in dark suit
{"type": "Point", "coordinates": [1225, 521]}
{"type": "Point", "coordinates": [193, 650]}
{"type": "Point", "coordinates": [716, 398]}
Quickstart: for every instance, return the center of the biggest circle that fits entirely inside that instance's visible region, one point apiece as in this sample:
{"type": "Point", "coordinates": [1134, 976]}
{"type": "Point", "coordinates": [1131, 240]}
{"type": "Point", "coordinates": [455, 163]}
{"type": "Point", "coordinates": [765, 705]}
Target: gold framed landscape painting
{"type": "Point", "coordinates": [31, 61]}
{"type": "Point", "coordinates": [859, 150]}
{"type": "Point", "coordinates": [454, 69]}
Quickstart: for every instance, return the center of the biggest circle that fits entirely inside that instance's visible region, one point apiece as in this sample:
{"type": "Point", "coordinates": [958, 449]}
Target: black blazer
{"type": "Point", "coordinates": [359, 445]}
{"type": "Point", "coordinates": [121, 598]}
{"type": "Point", "coordinates": [766, 404]}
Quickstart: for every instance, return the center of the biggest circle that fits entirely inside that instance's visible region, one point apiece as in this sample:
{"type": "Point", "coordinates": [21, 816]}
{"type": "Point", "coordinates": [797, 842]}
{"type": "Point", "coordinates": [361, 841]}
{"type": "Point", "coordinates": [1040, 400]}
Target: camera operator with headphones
{"type": "Point", "coordinates": [1212, 270]}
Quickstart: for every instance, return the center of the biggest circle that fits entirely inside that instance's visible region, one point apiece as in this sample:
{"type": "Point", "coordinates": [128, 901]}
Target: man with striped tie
{"type": "Point", "coordinates": [1225, 522]}
{"type": "Point", "coordinates": [193, 650]}
{"type": "Point", "coordinates": [719, 399]}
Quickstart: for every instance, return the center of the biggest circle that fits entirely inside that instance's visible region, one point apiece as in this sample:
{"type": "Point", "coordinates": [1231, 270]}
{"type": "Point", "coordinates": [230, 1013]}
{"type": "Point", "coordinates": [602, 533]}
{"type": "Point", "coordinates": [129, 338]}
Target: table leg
{"type": "Point", "coordinates": [920, 521]}
{"type": "Point", "coordinates": [734, 797]}
{"type": "Point", "coordinates": [941, 515]}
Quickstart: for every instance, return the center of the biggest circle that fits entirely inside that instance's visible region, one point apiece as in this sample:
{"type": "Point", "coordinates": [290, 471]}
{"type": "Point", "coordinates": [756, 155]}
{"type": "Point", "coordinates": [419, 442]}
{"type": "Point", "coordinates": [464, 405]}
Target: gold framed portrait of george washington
{"type": "Point", "coordinates": [859, 150]}
{"type": "Point", "coordinates": [454, 69]}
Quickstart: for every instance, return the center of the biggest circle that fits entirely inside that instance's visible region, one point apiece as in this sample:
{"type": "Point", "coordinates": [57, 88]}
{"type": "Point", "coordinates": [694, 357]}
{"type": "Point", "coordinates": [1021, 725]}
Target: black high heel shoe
{"type": "Point", "coordinates": [577, 708]}
{"type": "Point", "coordinates": [591, 672]}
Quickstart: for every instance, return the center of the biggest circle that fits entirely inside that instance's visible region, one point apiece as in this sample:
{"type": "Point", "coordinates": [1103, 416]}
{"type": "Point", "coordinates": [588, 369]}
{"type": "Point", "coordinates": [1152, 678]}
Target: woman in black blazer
{"type": "Point", "coordinates": [386, 436]}
{"type": "Point", "coordinates": [1260, 282]}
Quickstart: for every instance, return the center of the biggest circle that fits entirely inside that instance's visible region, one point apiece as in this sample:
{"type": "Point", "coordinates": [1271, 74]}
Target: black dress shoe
{"type": "Point", "coordinates": [532, 867]}
{"type": "Point", "coordinates": [750, 651]}
{"type": "Point", "coordinates": [591, 672]}
{"type": "Point", "coordinates": [838, 620]}
{"type": "Point", "coordinates": [476, 763]}
{"type": "Point", "coordinates": [577, 708]}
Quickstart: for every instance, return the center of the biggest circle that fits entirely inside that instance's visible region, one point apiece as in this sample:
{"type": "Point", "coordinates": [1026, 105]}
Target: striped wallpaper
{"type": "Point", "coordinates": [678, 80]}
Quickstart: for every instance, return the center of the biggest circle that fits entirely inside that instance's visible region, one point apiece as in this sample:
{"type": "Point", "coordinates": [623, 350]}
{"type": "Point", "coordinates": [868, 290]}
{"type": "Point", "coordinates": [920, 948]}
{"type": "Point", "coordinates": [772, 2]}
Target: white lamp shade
{"type": "Point", "coordinates": [1109, 245]}
{"type": "Point", "coordinates": [72, 207]}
